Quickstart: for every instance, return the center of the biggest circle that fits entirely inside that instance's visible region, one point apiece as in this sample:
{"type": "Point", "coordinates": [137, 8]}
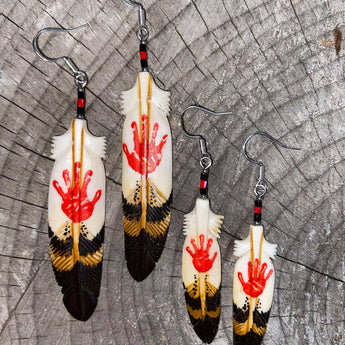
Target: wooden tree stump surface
{"type": "Point", "coordinates": [268, 62]}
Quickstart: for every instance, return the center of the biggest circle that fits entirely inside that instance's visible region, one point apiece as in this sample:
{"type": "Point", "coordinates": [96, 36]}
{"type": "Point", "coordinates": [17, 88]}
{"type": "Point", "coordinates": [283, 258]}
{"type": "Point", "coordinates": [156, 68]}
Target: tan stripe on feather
{"type": "Point", "coordinates": [92, 259]}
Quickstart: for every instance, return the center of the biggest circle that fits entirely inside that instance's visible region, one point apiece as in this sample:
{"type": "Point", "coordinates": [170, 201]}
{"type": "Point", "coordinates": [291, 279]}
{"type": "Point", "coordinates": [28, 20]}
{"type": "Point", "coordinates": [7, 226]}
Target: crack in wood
{"type": "Point", "coordinates": [312, 269]}
{"type": "Point", "coordinates": [12, 21]}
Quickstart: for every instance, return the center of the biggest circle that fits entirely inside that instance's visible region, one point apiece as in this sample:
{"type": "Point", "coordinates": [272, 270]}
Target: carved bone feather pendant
{"type": "Point", "coordinates": [201, 269]}
{"type": "Point", "coordinates": [253, 286]}
{"type": "Point", "coordinates": [76, 211]}
{"type": "Point", "coordinates": [146, 174]}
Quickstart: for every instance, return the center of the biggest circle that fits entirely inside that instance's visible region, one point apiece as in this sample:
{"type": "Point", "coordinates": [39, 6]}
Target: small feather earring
{"type": "Point", "coordinates": [76, 204]}
{"type": "Point", "coordinates": [146, 166]}
{"type": "Point", "coordinates": [253, 281]}
{"type": "Point", "coordinates": [201, 261]}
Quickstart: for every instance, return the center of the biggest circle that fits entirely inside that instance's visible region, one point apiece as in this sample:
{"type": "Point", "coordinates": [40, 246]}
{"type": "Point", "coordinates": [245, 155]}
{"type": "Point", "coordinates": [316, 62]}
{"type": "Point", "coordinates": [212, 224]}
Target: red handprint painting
{"type": "Point", "coordinates": [146, 157]}
{"type": "Point", "coordinates": [75, 202]}
{"type": "Point", "coordinates": [201, 256]}
{"type": "Point", "coordinates": [256, 280]}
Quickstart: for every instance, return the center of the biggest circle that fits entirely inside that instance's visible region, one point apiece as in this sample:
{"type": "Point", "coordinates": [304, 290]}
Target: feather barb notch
{"type": "Point", "coordinates": [146, 174]}
{"type": "Point", "coordinates": [76, 212]}
{"type": "Point", "coordinates": [201, 269]}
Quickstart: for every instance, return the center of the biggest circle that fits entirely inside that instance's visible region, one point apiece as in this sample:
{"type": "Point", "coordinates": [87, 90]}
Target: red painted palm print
{"type": "Point", "coordinates": [201, 257]}
{"type": "Point", "coordinates": [146, 157]}
{"type": "Point", "coordinates": [75, 202]}
{"type": "Point", "coordinates": [256, 281]}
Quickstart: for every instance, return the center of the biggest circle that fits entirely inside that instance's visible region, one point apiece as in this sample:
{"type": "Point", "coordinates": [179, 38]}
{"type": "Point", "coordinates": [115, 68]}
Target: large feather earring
{"type": "Point", "coordinates": [201, 260]}
{"type": "Point", "coordinates": [146, 166]}
{"type": "Point", "coordinates": [253, 281]}
{"type": "Point", "coordinates": [76, 204]}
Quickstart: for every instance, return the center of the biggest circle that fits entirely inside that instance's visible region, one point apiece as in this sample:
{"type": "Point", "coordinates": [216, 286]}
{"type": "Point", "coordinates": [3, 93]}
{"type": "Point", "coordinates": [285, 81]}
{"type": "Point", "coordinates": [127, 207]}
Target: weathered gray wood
{"type": "Point", "coordinates": [265, 61]}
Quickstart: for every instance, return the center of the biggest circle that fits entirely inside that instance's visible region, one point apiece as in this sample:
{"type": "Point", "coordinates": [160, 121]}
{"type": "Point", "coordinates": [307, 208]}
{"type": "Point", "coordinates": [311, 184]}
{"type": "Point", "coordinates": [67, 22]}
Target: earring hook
{"type": "Point", "coordinates": [261, 185]}
{"type": "Point", "coordinates": [206, 160]}
{"type": "Point", "coordinates": [142, 32]}
{"type": "Point", "coordinates": [80, 77]}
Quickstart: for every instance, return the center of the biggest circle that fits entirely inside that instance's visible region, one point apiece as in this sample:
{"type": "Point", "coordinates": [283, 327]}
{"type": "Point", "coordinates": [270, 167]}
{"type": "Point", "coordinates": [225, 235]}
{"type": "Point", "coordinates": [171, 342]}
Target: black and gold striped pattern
{"type": "Point", "coordinates": [203, 305]}
{"type": "Point", "coordinates": [146, 222]}
{"type": "Point", "coordinates": [77, 263]}
{"type": "Point", "coordinates": [249, 329]}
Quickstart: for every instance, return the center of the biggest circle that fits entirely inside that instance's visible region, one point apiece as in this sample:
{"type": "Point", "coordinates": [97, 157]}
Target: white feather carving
{"type": "Point", "coordinates": [130, 100]}
{"type": "Point", "coordinates": [77, 145]}
{"type": "Point", "coordinates": [76, 212]}
{"type": "Point", "coordinates": [253, 284]}
{"type": "Point", "coordinates": [62, 144]}
{"type": "Point", "coordinates": [147, 98]}
{"type": "Point", "coordinates": [202, 216]}
{"type": "Point", "coordinates": [201, 221]}
{"type": "Point", "coordinates": [146, 173]}
{"type": "Point", "coordinates": [201, 268]}
{"type": "Point", "coordinates": [242, 247]}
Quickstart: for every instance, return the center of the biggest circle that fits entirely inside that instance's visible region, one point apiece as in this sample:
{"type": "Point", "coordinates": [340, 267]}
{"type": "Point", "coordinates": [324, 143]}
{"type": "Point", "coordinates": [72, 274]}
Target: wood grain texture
{"type": "Point", "coordinates": [265, 61]}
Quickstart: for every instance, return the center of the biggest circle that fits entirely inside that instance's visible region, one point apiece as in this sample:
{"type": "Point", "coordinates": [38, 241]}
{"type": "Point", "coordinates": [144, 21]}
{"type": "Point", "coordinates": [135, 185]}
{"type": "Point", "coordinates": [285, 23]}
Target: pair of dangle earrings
{"type": "Point", "coordinates": [76, 201]}
{"type": "Point", "coordinates": [76, 212]}
{"type": "Point", "coordinates": [253, 280]}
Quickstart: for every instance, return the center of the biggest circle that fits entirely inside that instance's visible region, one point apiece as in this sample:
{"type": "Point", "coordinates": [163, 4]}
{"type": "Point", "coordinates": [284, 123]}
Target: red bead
{"type": "Point", "coordinates": [257, 210]}
{"type": "Point", "coordinates": [143, 55]}
{"type": "Point", "coordinates": [81, 103]}
{"type": "Point", "coordinates": [203, 184]}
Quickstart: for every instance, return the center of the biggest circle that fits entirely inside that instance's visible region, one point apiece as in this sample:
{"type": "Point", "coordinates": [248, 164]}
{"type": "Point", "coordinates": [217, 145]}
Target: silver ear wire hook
{"type": "Point", "coordinates": [206, 159]}
{"type": "Point", "coordinates": [261, 185]}
{"type": "Point", "coordinates": [80, 77]}
{"type": "Point", "coordinates": [142, 32]}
